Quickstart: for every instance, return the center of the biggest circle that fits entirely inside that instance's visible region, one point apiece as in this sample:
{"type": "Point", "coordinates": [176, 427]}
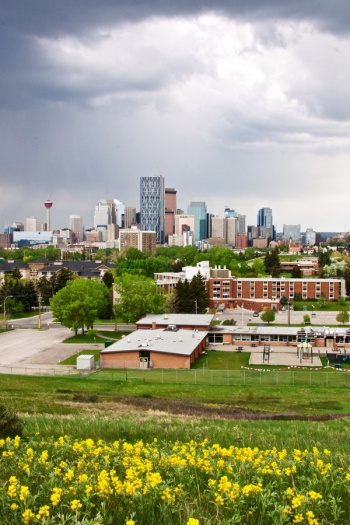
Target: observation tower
{"type": "Point", "coordinates": [48, 206]}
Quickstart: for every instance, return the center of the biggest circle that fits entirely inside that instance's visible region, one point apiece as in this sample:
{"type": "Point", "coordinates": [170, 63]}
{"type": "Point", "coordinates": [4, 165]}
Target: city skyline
{"type": "Point", "coordinates": [239, 104]}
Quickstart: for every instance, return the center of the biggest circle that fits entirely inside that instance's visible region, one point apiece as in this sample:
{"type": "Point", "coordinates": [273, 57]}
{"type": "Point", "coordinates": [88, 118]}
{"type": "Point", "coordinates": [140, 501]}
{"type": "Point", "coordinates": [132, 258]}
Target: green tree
{"type": "Point", "coordinates": [79, 303]}
{"type": "Point", "coordinates": [108, 279]}
{"type": "Point", "coordinates": [306, 319]}
{"type": "Point", "coordinates": [268, 316]}
{"type": "Point", "coordinates": [138, 296]}
{"type": "Point", "coordinates": [296, 272]}
{"type": "Point", "coordinates": [272, 262]}
{"type": "Point", "coordinates": [324, 258]}
{"type": "Point", "coordinates": [342, 317]}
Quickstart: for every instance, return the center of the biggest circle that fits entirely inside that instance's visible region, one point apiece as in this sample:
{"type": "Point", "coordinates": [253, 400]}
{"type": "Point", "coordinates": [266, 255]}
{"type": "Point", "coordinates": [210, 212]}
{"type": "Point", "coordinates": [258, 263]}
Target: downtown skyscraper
{"type": "Point", "coordinates": [152, 205]}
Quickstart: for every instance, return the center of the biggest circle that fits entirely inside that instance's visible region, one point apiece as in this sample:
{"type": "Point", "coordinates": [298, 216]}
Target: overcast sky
{"type": "Point", "coordinates": [237, 103]}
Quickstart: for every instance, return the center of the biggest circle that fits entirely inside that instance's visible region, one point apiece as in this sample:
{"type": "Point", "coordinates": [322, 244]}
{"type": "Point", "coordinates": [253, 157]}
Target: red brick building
{"type": "Point", "coordinates": [257, 294]}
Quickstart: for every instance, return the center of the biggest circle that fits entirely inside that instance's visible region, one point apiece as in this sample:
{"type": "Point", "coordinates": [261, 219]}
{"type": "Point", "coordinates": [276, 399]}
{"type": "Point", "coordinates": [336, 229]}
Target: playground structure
{"type": "Point", "coordinates": [266, 353]}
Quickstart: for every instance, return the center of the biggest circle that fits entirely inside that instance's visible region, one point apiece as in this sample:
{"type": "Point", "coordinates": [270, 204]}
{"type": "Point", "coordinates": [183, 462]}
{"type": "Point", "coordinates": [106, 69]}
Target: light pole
{"type": "Point", "coordinates": [288, 313]}
{"type": "Point", "coordinates": [39, 319]}
{"type": "Point", "coordinates": [195, 304]}
{"type": "Point", "coordinates": [7, 296]}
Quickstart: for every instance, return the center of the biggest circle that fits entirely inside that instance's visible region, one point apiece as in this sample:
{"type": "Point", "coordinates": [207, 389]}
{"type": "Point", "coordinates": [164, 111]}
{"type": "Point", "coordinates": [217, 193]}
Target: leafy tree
{"type": "Point", "coordinates": [306, 319]}
{"type": "Point", "coordinates": [79, 303]}
{"type": "Point", "coordinates": [296, 272]}
{"type": "Point", "coordinates": [108, 279]}
{"type": "Point", "coordinates": [138, 296]}
{"type": "Point", "coordinates": [259, 267]}
{"type": "Point", "coordinates": [283, 300]}
{"type": "Point", "coordinates": [171, 303]}
{"type": "Point", "coordinates": [61, 278]}
{"type": "Point", "coordinates": [268, 316]}
{"type": "Point", "coordinates": [343, 317]}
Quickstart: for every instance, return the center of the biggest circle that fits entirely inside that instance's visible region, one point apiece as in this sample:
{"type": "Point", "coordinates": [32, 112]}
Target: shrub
{"type": "Point", "coordinates": [10, 424]}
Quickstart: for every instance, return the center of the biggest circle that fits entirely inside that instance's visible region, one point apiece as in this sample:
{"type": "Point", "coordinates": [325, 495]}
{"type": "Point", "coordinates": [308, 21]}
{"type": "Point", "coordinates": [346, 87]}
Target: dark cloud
{"type": "Point", "coordinates": [95, 94]}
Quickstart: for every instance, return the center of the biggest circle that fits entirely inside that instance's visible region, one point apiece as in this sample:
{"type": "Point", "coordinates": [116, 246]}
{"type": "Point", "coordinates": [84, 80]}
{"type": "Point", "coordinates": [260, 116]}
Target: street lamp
{"type": "Point", "coordinates": [195, 304]}
{"type": "Point", "coordinates": [288, 313]}
{"type": "Point", "coordinates": [39, 318]}
{"type": "Point", "coordinates": [7, 296]}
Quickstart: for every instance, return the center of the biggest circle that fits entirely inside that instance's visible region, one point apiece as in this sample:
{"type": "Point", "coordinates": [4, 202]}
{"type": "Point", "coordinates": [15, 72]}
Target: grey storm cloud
{"type": "Point", "coordinates": [238, 103]}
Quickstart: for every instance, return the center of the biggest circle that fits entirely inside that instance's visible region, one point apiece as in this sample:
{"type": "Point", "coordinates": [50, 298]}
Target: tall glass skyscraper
{"type": "Point", "coordinates": [199, 210]}
{"type": "Point", "coordinates": [152, 207]}
{"type": "Point", "coordinates": [265, 217]}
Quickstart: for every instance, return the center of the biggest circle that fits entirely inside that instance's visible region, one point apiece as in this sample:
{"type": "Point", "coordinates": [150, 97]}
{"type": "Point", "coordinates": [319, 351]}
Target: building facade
{"type": "Point", "coordinates": [199, 210]}
{"type": "Point", "coordinates": [152, 206]}
{"type": "Point", "coordinates": [259, 294]}
{"type": "Point", "coordinates": [76, 227]}
{"type": "Point", "coordinates": [145, 241]}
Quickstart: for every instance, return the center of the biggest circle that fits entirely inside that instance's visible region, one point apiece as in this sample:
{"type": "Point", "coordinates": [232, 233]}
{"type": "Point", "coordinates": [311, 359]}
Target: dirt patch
{"type": "Point", "coordinates": [148, 406]}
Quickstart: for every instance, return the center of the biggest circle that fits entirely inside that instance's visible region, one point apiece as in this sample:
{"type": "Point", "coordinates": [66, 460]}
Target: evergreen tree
{"type": "Point", "coordinates": [199, 294]}
{"type": "Point", "coordinates": [296, 272]}
{"type": "Point", "coordinates": [272, 262]}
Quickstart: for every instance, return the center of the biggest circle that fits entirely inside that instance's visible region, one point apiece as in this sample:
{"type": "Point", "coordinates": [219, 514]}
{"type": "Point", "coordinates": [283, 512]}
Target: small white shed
{"type": "Point", "coordinates": [85, 362]}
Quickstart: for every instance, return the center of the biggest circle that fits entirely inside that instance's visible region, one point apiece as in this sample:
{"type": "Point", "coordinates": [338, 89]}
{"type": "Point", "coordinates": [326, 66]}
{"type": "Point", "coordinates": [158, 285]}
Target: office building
{"type": "Point", "coordinates": [199, 210]}
{"type": "Point", "coordinates": [102, 214]}
{"type": "Point", "coordinates": [241, 224]}
{"type": "Point", "coordinates": [170, 212]}
{"type": "Point", "coordinates": [184, 223]}
{"type": "Point", "coordinates": [76, 227]}
{"type": "Point", "coordinates": [129, 217]}
{"type": "Point", "coordinates": [152, 206]}
{"type": "Point", "coordinates": [34, 224]}
{"type": "Point", "coordinates": [145, 241]}
{"type": "Point", "coordinates": [265, 218]}
{"type": "Point", "coordinates": [310, 237]}
{"type": "Point", "coordinates": [291, 232]}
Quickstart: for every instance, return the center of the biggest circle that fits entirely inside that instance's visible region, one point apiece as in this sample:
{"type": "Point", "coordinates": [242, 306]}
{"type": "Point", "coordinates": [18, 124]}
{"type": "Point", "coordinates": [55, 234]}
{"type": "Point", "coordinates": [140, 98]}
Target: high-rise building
{"type": "Point", "coordinates": [170, 211]}
{"type": "Point", "coordinates": [310, 237]}
{"type": "Point", "coordinates": [103, 214]}
{"type": "Point", "coordinates": [265, 217]}
{"type": "Point", "coordinates": [152, 206]}
{"type": "Point", "coordinates": [129, 217]}
{"type": "Point", "coordinates": [76, 227]}
{"type": "Point", "coordinates": [184, 223]}
{"type": "Point", "coordinates": [225, 228]}
{"type": "Point", "coordinates": [34, 224]}
{"type": "Point", "coordinates": [241, 224]}
{"type": "Point", "coordinates": [199, 210]}
{"type": "Point", "coordinates": [145, 241]}
{"type": "Point", "coordinates": [291, 232]}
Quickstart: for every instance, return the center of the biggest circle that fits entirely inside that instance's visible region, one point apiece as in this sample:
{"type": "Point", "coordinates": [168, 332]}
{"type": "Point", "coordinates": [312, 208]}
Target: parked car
{"type": "Point", "coordinates": [256, 314]}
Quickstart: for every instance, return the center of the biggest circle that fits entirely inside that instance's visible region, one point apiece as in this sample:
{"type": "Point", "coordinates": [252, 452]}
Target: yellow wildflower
{"type": "Point", "coordinates": [75, 505]}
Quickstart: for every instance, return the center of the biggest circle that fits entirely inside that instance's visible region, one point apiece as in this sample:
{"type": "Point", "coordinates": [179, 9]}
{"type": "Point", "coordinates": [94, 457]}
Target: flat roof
{"type": "Point", "coordinates": [283, 330]}
{"type": "Point", "coordinates": [177, 319]}
{"type": "Point", "coordinates": [180, 342]}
